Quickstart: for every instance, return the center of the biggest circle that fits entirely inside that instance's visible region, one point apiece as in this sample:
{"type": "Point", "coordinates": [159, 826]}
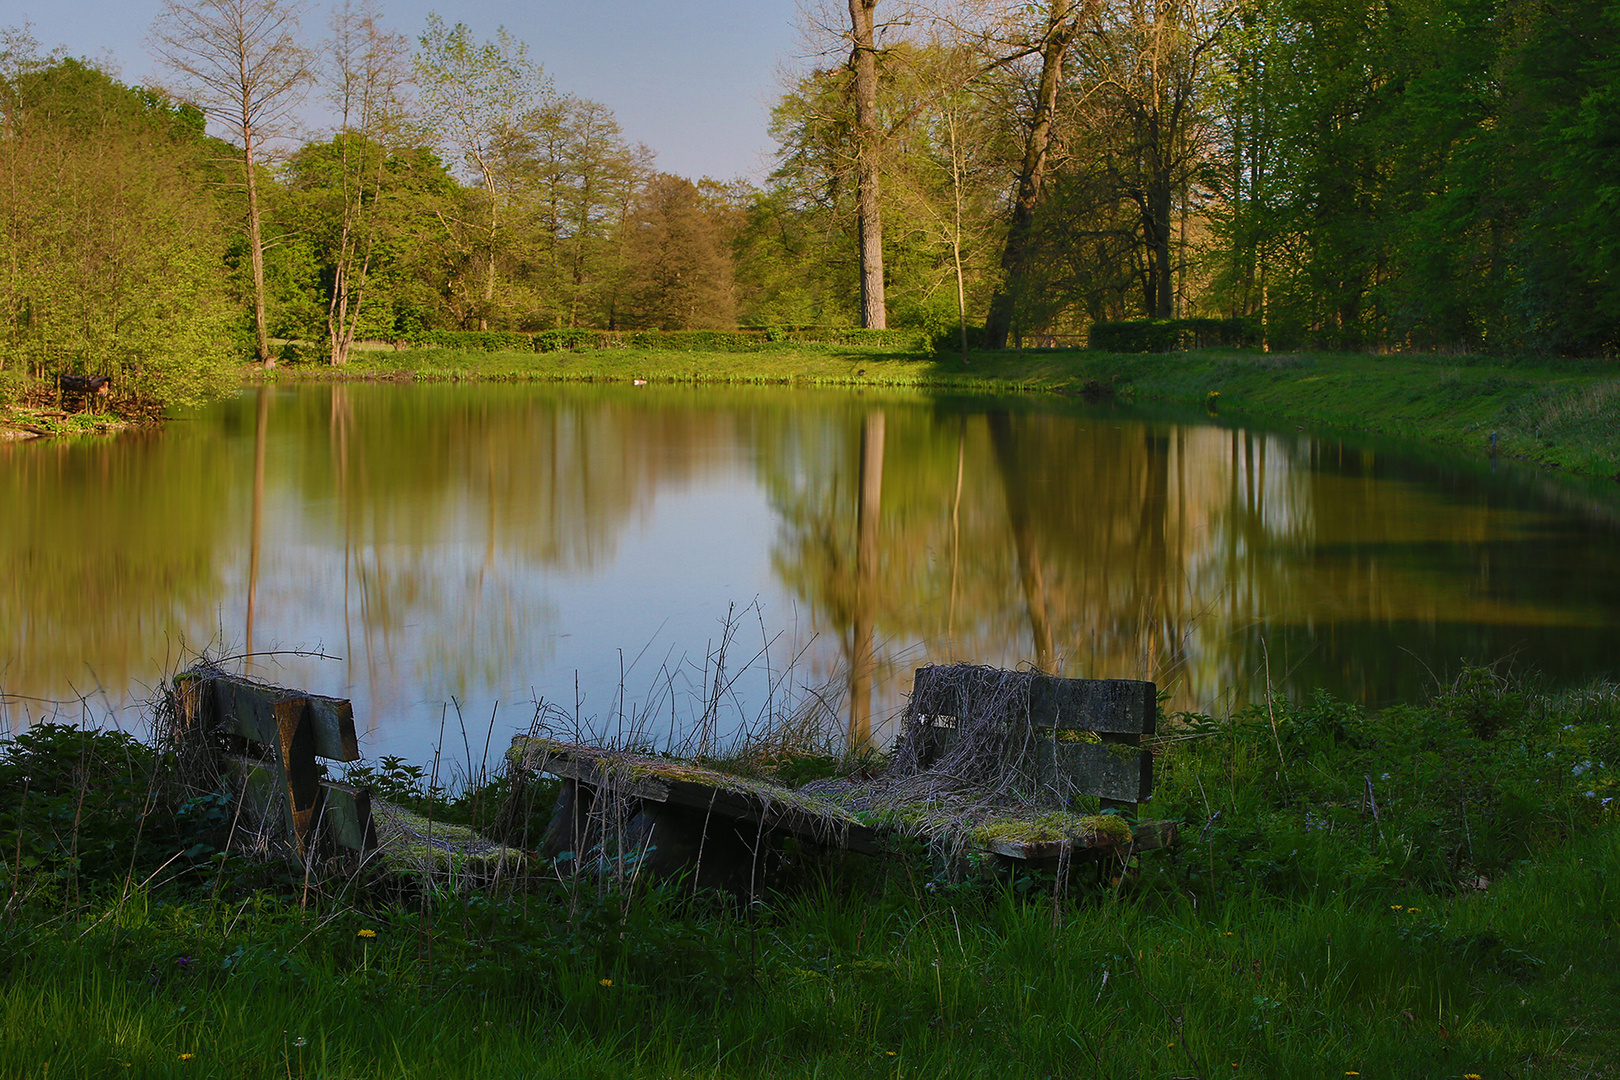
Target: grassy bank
{"type": "Point", "coordinates": [1427, 891]}
{"type": "Point", "coordinates": [1556, 414]}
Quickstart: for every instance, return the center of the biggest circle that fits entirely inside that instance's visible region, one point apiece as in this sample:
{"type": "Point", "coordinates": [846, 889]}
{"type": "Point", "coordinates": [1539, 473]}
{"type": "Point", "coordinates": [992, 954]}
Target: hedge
{"type": "Point", "coordinates": [1170, 335]}
{"type": "Point", "coordinates": [487, 340]}
{"type": "Point", "coordinates": [665, 340]}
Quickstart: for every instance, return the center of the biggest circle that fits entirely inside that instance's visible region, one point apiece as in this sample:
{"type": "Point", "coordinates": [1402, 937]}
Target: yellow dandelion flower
{"type": "Point", "coordinates": [366, 933]}
{"type": "Point", "coordinates": [605, 982]}
{"type": "Point", "coordinates": [1413, 910]}
{"type": "Point", "coordinates": [1394, 907]}
{"type": "Point", "coordinates": [187, 1057]}
{"type": "Point", "coordinates": [1351, 1072]}
{"type": "Point", "coordinates": [889, 1052]}
{"type": "Point", "coordinates": [1471, 1076]}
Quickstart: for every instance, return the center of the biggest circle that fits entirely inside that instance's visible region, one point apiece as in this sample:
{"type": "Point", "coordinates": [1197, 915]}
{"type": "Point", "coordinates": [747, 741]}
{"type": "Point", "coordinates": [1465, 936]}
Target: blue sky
{"type": "Point", "coordinates": [693, 80]}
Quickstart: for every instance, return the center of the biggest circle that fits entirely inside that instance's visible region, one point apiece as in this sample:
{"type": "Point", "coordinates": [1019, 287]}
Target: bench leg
{"type": "Point", "coordinates": [570, 828]}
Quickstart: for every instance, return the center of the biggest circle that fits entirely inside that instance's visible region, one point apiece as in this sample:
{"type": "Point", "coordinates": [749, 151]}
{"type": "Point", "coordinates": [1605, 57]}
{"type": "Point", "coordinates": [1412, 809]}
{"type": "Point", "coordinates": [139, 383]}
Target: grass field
{"type": "Point", "coordinates": [1557, 414]}
{"type": "Point", "coordinates": [1427, 891]}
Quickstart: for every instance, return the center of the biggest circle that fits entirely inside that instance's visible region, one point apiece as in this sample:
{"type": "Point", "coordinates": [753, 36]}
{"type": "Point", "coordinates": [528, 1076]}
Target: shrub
{"type": "Point", "coordinates": [572, 338]}
{"type": "Point", "coordinates": [487, 340]}
{"type": "Point", "coordinates": [1170, 335]}
{"type": "Point", "coordinates": [949, 342]}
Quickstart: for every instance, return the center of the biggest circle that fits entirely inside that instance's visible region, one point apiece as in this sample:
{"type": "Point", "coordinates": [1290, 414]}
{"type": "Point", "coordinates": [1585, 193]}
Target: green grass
{"type": "Point", "coordinates": [956, 984]}
{"type": "Point", "coordinates": [1425, 891]}
{"type": "Point", "coordinates": [1557, 414]}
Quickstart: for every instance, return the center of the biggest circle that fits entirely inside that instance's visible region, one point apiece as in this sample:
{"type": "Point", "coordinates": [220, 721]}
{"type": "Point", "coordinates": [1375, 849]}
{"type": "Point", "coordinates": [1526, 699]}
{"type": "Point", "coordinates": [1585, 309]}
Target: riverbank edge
{"type": "Point", "coordinates": [1559, 415]}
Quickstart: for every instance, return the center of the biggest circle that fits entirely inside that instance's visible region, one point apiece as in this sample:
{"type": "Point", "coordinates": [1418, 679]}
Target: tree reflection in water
{"type": "Point", "coordinates": [485, 542]}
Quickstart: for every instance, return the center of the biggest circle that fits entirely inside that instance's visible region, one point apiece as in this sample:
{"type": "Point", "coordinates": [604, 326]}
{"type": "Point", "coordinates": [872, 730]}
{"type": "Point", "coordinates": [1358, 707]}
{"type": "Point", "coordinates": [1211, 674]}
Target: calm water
{"type": "Point", "coordinates": [435, 551]}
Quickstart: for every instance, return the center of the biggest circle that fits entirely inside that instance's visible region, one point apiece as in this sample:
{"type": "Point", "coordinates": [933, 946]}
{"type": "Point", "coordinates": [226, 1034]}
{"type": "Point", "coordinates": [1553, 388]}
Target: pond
{"type": "Point", "coordinates": [681, 562]}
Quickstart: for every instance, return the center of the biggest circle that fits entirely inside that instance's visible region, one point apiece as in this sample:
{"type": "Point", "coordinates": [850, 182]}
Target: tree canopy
{"type": "Point", "coordinates": [1413, 174]}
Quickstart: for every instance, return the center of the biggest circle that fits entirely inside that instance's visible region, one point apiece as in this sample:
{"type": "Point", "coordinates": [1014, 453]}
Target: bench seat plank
{"type": "Point", "coordinates": [691, 787]}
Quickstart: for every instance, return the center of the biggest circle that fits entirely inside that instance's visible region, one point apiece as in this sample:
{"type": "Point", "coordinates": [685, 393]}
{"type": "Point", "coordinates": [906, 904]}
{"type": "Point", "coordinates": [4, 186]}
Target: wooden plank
{"type": "Point", "coordinates": [589, 772]}
{"type": "Point", "coordinates": [346, 817]}
{"type": "Point", "coordinates": [1092, 769]}
{"type": "Point", "coordinates": [1122, 706]}
{"type": "Point", "coordinates": [1153, 834]}
{"type": "Point", "coordinates": [1147, 836]}
{"type": "Point", "coordinates": [345, 811]}
{"type": "Point", "coordinates": [246, 709]}
{"type": "Point", "coordinates": [827, 827]}
{"type": "Point", "coordinates": [789, 814]}
{"type": "Point", "coordinates": [264, 792]}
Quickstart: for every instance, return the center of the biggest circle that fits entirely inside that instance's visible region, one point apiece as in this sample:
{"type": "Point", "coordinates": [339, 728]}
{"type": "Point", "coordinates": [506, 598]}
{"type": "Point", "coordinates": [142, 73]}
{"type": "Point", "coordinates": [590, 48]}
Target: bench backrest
{"type": "Point", "coordinates": [282, 732]}
{"type": "Point", "coordinates": [1118, 711]}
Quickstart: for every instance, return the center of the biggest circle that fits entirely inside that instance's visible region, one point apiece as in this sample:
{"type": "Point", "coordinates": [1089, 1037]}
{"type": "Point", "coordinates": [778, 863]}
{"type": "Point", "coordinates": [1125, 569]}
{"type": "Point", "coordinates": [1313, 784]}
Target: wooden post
{"type": "Point", "coordinates": [302, 775]}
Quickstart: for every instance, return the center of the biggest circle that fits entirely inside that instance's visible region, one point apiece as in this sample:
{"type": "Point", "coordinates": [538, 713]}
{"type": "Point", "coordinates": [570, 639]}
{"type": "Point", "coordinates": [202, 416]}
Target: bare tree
{"type": "Point", "coordinates": [243, 64]}
{"type": "Point", "coordinates": [1150, 62]}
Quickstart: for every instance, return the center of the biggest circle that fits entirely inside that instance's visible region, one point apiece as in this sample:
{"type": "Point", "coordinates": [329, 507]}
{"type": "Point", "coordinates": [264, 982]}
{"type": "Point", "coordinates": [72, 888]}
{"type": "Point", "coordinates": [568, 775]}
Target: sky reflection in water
{"type": "Point", "coordinates": [490, 545]}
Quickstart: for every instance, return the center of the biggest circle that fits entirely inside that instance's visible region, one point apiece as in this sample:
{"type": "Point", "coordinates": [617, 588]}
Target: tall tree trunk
{"type": "Point", "coordinates": [261, 333]}
{"type": "Point", "coordinates": [1062, 22]}
{"type": "Point", "coordinates": [1156, 225]}
{"type": "Point", "coordinates": [869, 218]}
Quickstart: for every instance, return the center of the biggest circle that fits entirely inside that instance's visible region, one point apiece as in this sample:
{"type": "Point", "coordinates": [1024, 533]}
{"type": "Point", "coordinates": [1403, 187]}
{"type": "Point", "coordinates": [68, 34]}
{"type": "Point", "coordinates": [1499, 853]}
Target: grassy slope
{"type": "Point", "coordinates": [1557, 414]}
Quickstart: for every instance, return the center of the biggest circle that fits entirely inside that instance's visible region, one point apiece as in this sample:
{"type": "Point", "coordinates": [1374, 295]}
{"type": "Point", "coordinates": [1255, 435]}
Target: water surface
{"type": "Point", "coordinates": [444, 551]}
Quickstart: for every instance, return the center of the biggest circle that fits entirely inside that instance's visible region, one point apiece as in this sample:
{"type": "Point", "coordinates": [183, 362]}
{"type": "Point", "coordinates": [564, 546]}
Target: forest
{"type": "Point", "coordinates": [1433, 175]}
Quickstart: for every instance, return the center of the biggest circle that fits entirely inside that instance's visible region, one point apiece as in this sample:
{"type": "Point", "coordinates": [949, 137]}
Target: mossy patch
{"type": "Point", "coordinates": [532, 752]}
{"type": "Point", "coordinates": [1057, 825]}
{"type": "Point", "coordinates": [410, 843]}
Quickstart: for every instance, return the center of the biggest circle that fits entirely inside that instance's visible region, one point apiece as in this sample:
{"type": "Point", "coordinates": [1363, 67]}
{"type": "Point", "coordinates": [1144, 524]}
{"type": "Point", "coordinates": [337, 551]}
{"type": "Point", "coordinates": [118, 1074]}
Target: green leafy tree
{"type": "Point", "coordinates": [474, 100]}
{"type": "Point", "coordinates": [110, 249]}
{"type": "Point", "coordinates": [678, 273]}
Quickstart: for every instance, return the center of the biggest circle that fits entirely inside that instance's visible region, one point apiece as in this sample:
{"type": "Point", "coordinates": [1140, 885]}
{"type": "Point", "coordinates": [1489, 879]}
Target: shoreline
{"type": "Point", "coordinates": [1558, 415]}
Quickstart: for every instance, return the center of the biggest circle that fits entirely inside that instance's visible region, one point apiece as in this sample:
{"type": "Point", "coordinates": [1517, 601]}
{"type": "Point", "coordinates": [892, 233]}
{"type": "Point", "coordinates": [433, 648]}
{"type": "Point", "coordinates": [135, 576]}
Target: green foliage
{"type": "Point", "coordinates": [1322, 797]}
{"type": "Point", "coordinates": [560, 340]}
{"type": "Point", "coordinates": [487, 340]}
{"type": "Point", "coordinates": [111, 249]}
{"type": "Point", "coordinates": [1171, 335]}
{"type": "Point", "coordinates": [1338, 868]}
{"type": "Point", "coordinates": [85, 807]}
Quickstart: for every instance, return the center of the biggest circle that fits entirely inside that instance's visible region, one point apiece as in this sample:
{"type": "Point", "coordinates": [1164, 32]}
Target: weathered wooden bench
{"type": "Point", "coordinates": [274, 736]}
{"type": "Point", "coordinates": [671, 816]}
{"type": "Point", "coordinates": [1085, 742]}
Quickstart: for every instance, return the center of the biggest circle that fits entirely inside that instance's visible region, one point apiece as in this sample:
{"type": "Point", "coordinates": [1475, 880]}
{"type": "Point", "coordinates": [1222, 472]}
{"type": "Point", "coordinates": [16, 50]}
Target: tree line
{"type": "Point", "coordinates": [1402, 174]}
